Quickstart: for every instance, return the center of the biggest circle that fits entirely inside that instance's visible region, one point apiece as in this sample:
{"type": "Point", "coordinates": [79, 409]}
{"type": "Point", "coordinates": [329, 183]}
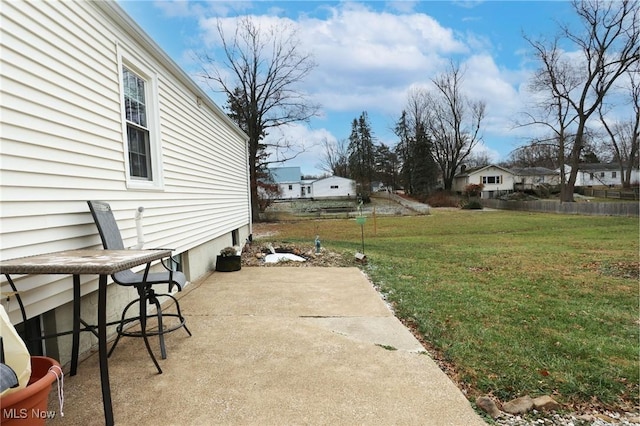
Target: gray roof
{"type": "Point", "coordinates": [598, 167]}
{"type": "Point", "coordinates": [472, 170]}
{"type": "Point", "coordinates": [534, 171]}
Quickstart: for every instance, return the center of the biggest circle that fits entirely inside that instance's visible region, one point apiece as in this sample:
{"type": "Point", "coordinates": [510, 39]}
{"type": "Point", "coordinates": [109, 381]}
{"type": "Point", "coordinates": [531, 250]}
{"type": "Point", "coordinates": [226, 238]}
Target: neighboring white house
{"type": "Point", "coordinates": [333, 186]}
{"type": "Point", "coordinates": [92, 108]}
{"type": "Point", "coordinates": [292, 186]}
{"type": "Point", "coordinates": [496, 180]}
{"type": "Point", "coordinates": [289, 180]}
{"type": "Point", "coordinates": [601, 174]}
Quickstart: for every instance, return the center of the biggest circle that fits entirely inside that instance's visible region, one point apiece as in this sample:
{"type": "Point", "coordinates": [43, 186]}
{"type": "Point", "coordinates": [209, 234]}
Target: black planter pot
{"type": "Point", "coordinates": [228, 263]}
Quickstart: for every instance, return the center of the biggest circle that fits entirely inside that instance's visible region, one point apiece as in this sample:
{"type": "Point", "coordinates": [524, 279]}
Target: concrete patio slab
{"type": "Point", "coordinates": [275, 346]}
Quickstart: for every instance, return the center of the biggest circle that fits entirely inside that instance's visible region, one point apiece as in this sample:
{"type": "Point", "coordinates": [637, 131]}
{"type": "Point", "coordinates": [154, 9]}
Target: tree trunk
{"type": "Point", "coordinates": [625, 176]}
{"type": "Point", "coordinates": [576, 151]}
{"type": "Point", "coordinates": [567, 193]}
{"type": "Point", "coordinates": [255, 204]}
{"type": "Point", "coordinates": [253, 181]}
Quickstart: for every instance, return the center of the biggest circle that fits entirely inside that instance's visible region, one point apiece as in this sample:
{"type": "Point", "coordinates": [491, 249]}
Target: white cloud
{"type": "Point", "coordinates": [468, 4]}
{"type": "Point", "coordinates": [177, 8]}
{"type": "Point", "coordinates": [361, 53]}
{"type": "Point", "coordinates": [402, 6]}
{"type": "Point", "coordinates": [368, 59]}
{"type": "Point", "coordinates": [482, 150]}
{"type": "Point", "coordinates": [355, 37]}
{"type": "Point", "coordinates": [483, 80]}
{"type": "Point", "coordinates": [308, 151]}
{"type": "Point", "coordinates": [188, 8]}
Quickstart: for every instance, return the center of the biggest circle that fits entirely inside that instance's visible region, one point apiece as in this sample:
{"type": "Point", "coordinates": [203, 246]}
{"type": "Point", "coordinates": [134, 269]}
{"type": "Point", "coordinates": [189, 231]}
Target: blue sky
{"type": "Point", "coordinates": [370, 53]}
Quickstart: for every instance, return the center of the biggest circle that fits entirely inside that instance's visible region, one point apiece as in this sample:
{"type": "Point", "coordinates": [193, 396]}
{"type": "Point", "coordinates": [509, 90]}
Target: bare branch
{"type": "Point", "coordinates": [609, 43]}
{"type": "Point", "coordinates": [260, 71]}
{"type": "Point", "coordinates": [453, 122]}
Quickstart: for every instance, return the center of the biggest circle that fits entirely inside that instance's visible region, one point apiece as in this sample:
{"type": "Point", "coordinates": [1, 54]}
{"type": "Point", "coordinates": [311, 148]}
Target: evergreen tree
{"type": "Point", "coordinates": [403, 151]}
{"type": "Point", "coordinates": [361, 154]}
{"type": "Point", "coordinates": [424, 173]}
{"type": "Point", "coordinates": [386, 163]}
{"type": "Point", "coordinates": [419, 171]}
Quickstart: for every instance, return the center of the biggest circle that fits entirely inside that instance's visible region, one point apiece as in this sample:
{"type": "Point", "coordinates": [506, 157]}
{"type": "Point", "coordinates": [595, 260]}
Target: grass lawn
{"type": "Point", "coordinates": [514, 303]}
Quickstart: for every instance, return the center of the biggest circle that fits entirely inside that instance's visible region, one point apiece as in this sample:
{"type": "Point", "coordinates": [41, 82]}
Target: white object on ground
{"type": "Point", "coordinates": [279, 257]}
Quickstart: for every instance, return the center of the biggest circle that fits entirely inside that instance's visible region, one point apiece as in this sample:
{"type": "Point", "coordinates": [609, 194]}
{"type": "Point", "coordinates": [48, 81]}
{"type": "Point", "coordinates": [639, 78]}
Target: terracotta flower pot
{"type": "Point", "coordinates": [28, 406]}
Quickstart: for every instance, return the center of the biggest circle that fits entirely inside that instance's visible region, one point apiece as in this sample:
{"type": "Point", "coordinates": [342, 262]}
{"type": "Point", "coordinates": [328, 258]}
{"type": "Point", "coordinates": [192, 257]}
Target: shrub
{"type": "Point", "coordinates": [228, 251]}
{"type": "Point", "coordinates": [472, 205]}
{"type": "Point", "coordinates": [442, 199]}
{"type": "Point", "coordinates": [267, 194]}
{"type": "Point", "coordinates": [473, 189]}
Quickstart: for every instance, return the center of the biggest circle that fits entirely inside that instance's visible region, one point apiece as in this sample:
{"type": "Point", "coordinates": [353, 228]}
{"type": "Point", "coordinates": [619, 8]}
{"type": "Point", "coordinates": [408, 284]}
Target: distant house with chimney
{"type": "Point", "coordinates": [496, 180]}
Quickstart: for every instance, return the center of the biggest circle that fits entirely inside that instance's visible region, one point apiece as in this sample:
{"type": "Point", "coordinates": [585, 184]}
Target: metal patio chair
{"type": "Point", "coordinates": [145, 283]}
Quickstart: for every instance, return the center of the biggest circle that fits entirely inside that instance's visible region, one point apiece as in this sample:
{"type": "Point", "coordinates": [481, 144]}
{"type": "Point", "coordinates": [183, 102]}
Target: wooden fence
{"type": "Point", "coordinates": [583, 208]}
{"type": "Point", "coordinates": [626, 194]}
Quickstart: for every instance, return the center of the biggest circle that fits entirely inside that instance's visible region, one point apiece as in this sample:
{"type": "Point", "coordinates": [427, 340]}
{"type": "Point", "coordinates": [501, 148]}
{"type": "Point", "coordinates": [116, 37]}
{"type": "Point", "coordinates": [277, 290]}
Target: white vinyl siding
{"type": "Point", "coordinates": [290, 190]}
{"type": "Point", "coordinates": [334, 186]}
{"type": "Point", "coordinates": [63, 142]}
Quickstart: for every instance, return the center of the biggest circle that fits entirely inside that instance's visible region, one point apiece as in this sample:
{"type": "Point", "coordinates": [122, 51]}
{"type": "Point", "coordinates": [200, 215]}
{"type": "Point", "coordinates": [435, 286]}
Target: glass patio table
{"type": "Point", "coordinates": [84, 262]}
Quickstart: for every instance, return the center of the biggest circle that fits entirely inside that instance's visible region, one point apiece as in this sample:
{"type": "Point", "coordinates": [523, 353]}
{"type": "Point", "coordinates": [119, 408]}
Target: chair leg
{"type": "Point", "coordinates": [119, 328]}
{"type": "Point", "coordinates": [153, 299]}
{"type": "Point", "coordinates": [143, 325]}
{"type": "Point", "coordinates": [148, 295]}
{"type": "Point", "coordinates": [184, 323]}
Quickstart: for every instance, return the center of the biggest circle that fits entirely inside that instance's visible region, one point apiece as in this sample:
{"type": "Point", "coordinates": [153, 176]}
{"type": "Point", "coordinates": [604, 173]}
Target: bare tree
{"type": "Point", "coordinates": [537, 153]}
{"type": "Point", "coordinates": [260, 71]}
{"type": "Point", "coordinates": [478, 159]}
{"type": "Point", "coordinates": [551, 111]}
{"type": "Point", "coordinates": [336, 158]}
{"type": "Point", "coordinates": [624, 136]}
{"type": "Point", "coordinates": [609, 44]}
{"type": "Point", "coordinates": [453, 122]}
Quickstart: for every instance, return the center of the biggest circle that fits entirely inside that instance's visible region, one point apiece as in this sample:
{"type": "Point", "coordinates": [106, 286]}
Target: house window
{"type": "Point", "coordinates": [491, 179]}
{"type": "Point", "coordinates": [590, 176]}
{"type": "Point", "coordinates": [135, 111]}
{"type": "Point", "coordinates": [601, 174]}
{"type": "Point", "coordinates": [614, 175]}
{"type": "Point", "coordinates": [140, 122]}
{"type": "Point", "coordinates": [334, 186]}
{"type": "Point", "coordinates": [290, 187]}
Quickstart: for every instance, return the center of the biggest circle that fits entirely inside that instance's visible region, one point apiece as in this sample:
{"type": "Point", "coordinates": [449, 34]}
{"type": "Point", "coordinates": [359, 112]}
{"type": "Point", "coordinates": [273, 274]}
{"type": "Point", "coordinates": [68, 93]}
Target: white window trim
{"type": "Point", "coordinates": [135, 64]}
{"type": "Point", "coordinates": [497, 180]}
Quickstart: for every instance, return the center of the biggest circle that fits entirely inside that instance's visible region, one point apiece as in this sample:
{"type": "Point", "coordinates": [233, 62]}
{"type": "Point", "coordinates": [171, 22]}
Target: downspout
{"type": "Point", "coordinates": [139, 231]}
